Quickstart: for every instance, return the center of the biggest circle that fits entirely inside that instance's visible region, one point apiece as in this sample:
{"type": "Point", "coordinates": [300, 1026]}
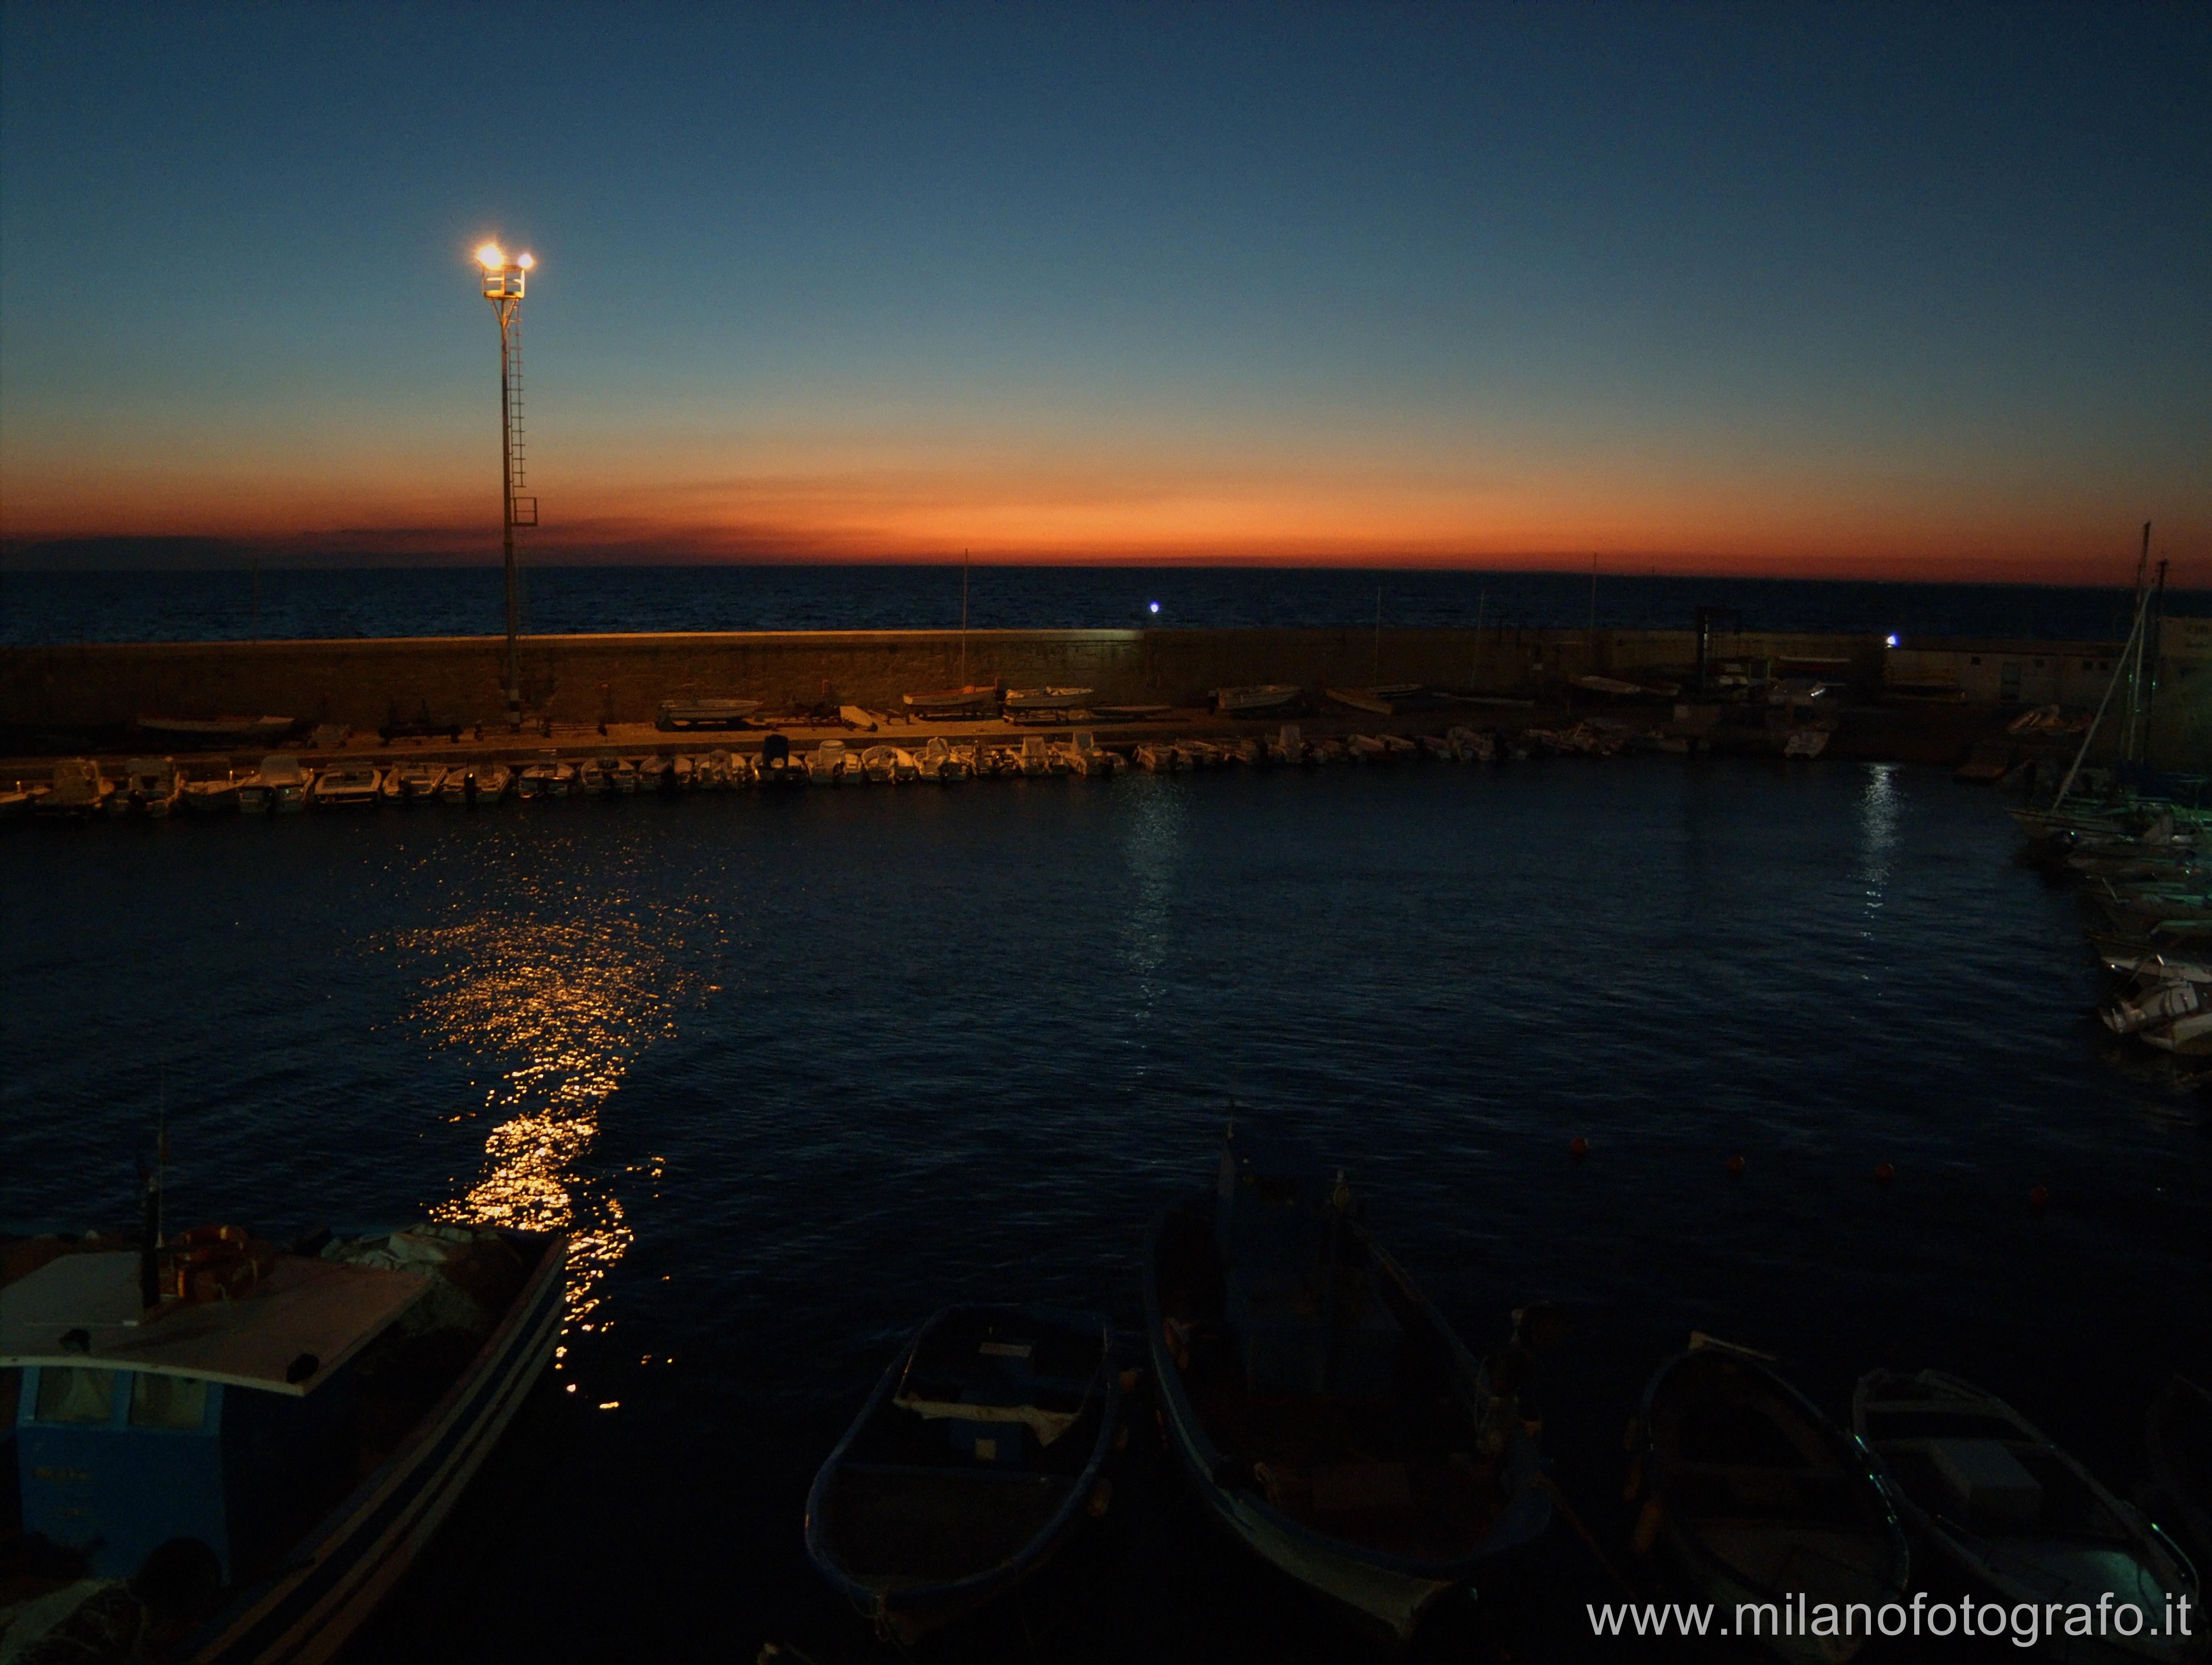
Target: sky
{"type": "Point", "coordinates": [1808, 291]}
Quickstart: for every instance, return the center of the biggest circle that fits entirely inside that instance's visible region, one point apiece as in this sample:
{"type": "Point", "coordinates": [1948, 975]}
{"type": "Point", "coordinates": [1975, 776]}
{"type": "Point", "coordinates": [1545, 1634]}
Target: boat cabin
{"type": "Point", "coordinates": [1299, 1299]}
{"type": "Point", "coordinates": [229, 1415]}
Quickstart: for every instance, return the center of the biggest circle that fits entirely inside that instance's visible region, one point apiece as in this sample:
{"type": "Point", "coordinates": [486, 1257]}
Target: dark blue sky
{"type": "Point", "coordinates": [1796, 288]}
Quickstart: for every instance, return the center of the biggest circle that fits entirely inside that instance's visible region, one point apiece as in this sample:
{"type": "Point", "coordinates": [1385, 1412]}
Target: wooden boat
{"type": "Point", "coordinates": [288, 1439]}
{"type": "Point", "coordinates": [1752, 1496]}
{"type": "Point", "coordinates": [1026, 702]}
{"type": "Point", "coordinates": [211, 796]}
{"type": "Point", "coordinates": [154, 785]}
{"type": "Point", "coordinates": [825, 764]}
{"type": "Point", "coordinates": [78, 788]}
{"type": "Point", "coordinates": [1257, 699]}
{"type": "Point", "coordinates": [2021, 1518]}
{"type": "Point", "coordinates": [973, 700]}
{"type": "Point", "coordinates": [704, 713]}
{"type": "Point", "coordinates": [879, 764]}
{"type": "Point", "coordinates": [1324, 1410]}
{"type": "Point", "coordinates": [2178, 1432]}
{"type": "Point", "coordinates": [973, 1459]}
{"type": "Point", "coordinates": [346, 789]}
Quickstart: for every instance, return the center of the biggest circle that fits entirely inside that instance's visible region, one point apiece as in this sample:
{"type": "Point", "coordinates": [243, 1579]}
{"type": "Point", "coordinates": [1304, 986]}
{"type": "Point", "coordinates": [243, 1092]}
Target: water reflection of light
{"type": "Point", "coordinates": [1878, 808]}
{"type": "Point", "coordinates": [565, 1008]}
{"type": "Point", "coordinates": [1156, 840]}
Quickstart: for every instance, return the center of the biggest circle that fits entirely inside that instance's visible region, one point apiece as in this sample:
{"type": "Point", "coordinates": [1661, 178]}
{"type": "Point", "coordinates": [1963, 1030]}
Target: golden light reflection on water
{"type": "Point", "coordinates": [560, 1012]}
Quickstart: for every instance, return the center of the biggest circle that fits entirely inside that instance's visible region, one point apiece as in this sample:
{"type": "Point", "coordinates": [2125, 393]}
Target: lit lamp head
{"type": "Point", "coordinates": [502, 272]}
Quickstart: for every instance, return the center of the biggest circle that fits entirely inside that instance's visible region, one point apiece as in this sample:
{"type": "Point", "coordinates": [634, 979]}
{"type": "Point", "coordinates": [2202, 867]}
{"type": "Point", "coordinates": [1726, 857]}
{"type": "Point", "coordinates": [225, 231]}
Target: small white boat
{"type": "Point", "coordinates": [655, 773]}
{"type": "Point", "coordinates": [1288, 745]}
{"type": "Point", "coordinates": [1021, 701]}
{"type": "Point", "coordinates": [970, 762]}
{"type": "Point", "coordinates": [1365, 748]}
{"type": "Point", "coordinates": [548, 778]}
{"type": "Point", "coordinates": [1252, 701]}
{"type": "Point", "coordinates": [596, 777]}
{"type": "Point", "coordinates": [717, 771]}
{"type": "Point", "coordinates": [79, 789]}
{"type": "Point", "coordinates": [414, 783]}
{"type": "Point", "coordinates": [154, 784]}
{"type": "Point", "coordinates": [279, 786]}
{"type": "Point", "coordinates": [623, 776]}
{"type": "Point", "coordinates": [211, 796]}
{"type": "Point", "coordinates": [938, 762]}
{"type": "Point", "coordinates": [974, 700]}
{"type": "Point", "coordinates": [1155, 757]}
{"type": "Point", "coordinates": [1397, 745]}
{"type": "Point", "coordinates": [1035, 757]}
{"type": "Point", "coordinates": [1440, 747]}
{"type": "Point", "coordinates": [1248, 751]}
{"type": "Point", "coordinates": [825, 764]}
{"type": "Point", "coordinates": [1325, 752]}
{"type": "Point", "coordinates": [346, 789]}
{"type": "Point", "coordinates": [879, 764]}
{"type": "Point", "coordinates": [1203, 753]}
{"type": "Point", "coordinates": [1085, 756]}
{"type": "Point", "coordinates": [683, 772]}
{"type": "Point", "coordinates": [904, 768]}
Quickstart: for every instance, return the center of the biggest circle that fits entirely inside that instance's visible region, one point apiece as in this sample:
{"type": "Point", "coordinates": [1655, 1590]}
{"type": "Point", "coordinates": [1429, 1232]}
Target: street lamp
{"type": "Point", "coordinates": [503, 275]}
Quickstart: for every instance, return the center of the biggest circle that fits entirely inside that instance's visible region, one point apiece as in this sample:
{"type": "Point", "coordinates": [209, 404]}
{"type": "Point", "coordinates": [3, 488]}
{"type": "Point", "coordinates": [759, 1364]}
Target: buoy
{"type": "Point", "coordinates": [1883, 1174]}
{"type": "Point", "coordinates": [1735, 1167]}
{"type": "Point", "coordinates": [2038, 1196]}
{"type": "Point", "coordinates": [1579, 1147]}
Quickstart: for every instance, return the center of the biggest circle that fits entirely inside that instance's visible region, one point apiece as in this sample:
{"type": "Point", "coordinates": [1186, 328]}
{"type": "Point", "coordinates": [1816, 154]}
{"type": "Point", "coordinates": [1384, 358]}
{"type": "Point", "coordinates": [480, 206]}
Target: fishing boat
{"type": "Point", "coordinates": [978, 1452]}
{"type": "Point", "coordinates": [1751, 1498]}
{"type": "Point", "coordinates": [971, 701]}
{"type": "Point", "coordinates": [78, 788]}
{"type": "Point", "coordinates": [154, 785]}
{"type": "Point", "coordinates": [1323, 1410]}
{"type": "Point", "coordinates": [879, 764]}
{"type": "Point", "coordinates": [2177, 1431]}
{"type": "Point", "coordinates": [2022, 1518]}
{"type": "Point", "coordinates": [704, 713]}
{"type": "Point", "coordinates": [1033, 702]}
{"type": "Point", "coordinates": [212, 796]}
{"type": "Point", "coordinates": [825, 764]}
{"type": "Point", "coordinates": [275, 1433]}
{"type": "Point", "coordinates": [1257, 699]}
{"type": "Point", "coordinates": [346, 789]}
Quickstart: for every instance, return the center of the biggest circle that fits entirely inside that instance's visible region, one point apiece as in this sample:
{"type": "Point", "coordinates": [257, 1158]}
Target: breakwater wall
{"type": "Point", "coordinates": [49, 694]}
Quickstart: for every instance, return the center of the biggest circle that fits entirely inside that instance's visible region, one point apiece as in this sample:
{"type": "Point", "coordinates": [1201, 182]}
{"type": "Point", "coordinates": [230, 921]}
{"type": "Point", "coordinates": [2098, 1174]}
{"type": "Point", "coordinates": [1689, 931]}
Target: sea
{"type": "Point", "coordinates": [40, 608]}
{"type": "Point", "coordinates": [798, 1068]}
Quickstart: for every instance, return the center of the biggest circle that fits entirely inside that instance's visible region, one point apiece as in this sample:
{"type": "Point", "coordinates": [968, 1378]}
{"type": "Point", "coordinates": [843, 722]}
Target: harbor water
{"type": "Point", "coordinates": [798, 1068]}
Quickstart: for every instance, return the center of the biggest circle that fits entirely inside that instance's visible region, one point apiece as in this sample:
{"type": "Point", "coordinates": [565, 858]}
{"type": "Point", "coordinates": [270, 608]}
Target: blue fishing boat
{"type": "Point", "coordinates": [975, 1456]}
{"type": "Point", "coordinates": [226, 1453]}
{"type": "Point", "coordinates": [1323, 1407]}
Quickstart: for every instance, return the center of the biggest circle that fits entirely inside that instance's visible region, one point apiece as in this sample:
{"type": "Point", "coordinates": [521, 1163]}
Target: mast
{"type": "Point", "coordinates": [2135, 676]}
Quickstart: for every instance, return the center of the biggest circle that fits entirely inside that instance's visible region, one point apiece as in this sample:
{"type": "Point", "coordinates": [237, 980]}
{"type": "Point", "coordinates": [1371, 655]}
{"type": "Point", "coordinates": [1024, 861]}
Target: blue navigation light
{"type": "Point", "coordinates": [1893, 641]}
{"type": "Point", "coordinates": [1155, 607]}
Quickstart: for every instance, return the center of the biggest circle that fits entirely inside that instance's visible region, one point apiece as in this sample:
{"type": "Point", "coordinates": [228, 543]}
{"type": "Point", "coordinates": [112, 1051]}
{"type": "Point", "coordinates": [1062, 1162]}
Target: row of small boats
{"type": "Point", "coordinates": [1327, 1416]}
{"type": "Point", "coordinates": [2146, 880]}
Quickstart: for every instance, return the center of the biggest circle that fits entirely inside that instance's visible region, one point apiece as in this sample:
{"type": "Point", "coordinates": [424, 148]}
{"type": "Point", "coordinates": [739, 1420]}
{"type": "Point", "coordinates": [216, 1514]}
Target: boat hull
{"type": "Point", "coordinates": [1381, 1589]}
{"type": "Point", "coordinates": [304, 1612]}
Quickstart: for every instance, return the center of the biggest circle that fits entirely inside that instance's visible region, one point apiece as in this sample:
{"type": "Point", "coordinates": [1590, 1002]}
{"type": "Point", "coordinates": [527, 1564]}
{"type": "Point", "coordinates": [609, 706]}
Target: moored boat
{"type": "Point", "coordinates": [656, 772]}
{"type": "Point", "coordinates": [879, 764]}
{"type": "Point", "coordinates": [975, 1456]}
{"type": "Point", "coordinates": [904, 766]}
{"type": "Point", "coordinates": [154, 785]}
{"type": "Point", "coordinates": [1756, 1500]}
{"type": "Point", "coordinates": [414, 783]}
{"type": "Point", "coordinates": [213, 795]}
{"type": "Point", "coordinates": [826, 764]}
{"type": "Point", "coordinates": [1286, 745]}
{"type": "Point", "coordinates": [279, 786]}
{"type": "Point", "coordinates": [78, 788]}
{"type": "Point", "coordinates": [276, 1433]}
{"type": "Point", "coordinates": [2023, 1520]}
{"type": "Point", "coordinates": [346, 789]}
{"type": "Point", "coordinates": [1323, 1410]}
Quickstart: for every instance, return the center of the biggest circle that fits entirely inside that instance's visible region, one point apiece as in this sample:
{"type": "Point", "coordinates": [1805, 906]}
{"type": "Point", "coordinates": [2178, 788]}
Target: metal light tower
{"type": "Point", "coordinates": [503, 275]}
